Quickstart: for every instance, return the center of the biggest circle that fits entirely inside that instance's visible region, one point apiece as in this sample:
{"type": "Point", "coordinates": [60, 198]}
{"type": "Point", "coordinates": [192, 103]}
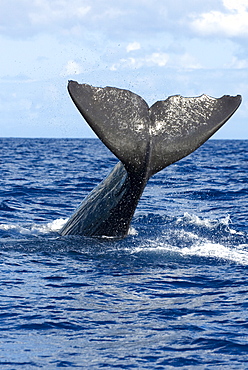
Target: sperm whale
{"type": "Point", "coordinates": [145, 140]}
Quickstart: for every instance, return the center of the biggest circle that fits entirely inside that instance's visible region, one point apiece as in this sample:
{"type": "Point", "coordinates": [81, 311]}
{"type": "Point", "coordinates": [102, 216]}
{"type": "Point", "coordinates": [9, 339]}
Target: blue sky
{"type": "Point", "coordinates": [155, 48]}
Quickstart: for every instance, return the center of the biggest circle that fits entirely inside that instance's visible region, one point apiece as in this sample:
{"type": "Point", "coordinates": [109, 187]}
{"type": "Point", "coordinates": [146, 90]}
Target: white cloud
{"type": "Point", "coordinates": [155, 59]}
{"type": "Point", "coordinates": [27, 18]}
{"type": "Point", "coordinates": [187, 61]}
{"type": "Point", "coordinates": [46, 12]}
{"type": "Point", "coordinates": [232, 22]}
{"type": "Point", "coordinates": [120, 21]}
{"type": "Point", "coordinates": [71, 68]}
{"type": "Point", "coordinates": [239, 5]}
{"type": "Point", "coordinates": [159, 59]}
{"type": "Point", "coordinates": [237, 63]}
{"type": "Point", "coordinates": [132, 46]}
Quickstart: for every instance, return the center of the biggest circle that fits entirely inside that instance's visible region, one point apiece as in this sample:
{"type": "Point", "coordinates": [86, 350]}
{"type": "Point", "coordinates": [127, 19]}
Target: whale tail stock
{"type": "Point", "coordinates": [146, 140]}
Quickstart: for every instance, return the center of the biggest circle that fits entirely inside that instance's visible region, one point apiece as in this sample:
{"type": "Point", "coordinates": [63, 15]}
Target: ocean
{"type": "Point", "coordinates": [172, 294]}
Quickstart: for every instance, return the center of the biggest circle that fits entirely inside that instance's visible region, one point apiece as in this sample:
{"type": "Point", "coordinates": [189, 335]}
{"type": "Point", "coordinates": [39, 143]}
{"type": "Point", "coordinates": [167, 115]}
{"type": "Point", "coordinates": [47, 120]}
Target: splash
{"type": "Point", "coordinates": [237, 254]}
{"type": "Point", "coordinates": [199, 248]}
{"type": "Point", "coordinates": [34, 229]}
{"type": "Point", "coordinates": [53, 226]}
{"type": "Point", "coordinates": [179, 237]}
{"type": "Point", "coordinates": [192, 236]}
{"type": "Point", "coordinates": [208, 223]}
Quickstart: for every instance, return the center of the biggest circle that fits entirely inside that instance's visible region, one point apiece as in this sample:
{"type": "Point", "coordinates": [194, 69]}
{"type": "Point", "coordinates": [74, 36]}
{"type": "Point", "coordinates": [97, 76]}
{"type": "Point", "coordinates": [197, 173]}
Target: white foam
{"type": "Point", "coordinates": [200, 248]}
{"type": "Point", "coordinates": [238, 254]}
{"type": "Point", "coordinates": [7, 227]}
{"type": "Point", "coordinates": [208, 222]}
{"type": "Point", "coordinates": [191, 243]}
{"type": "Point", "coordinates": [132, 231]}
{"type": "Point", "coordinates": [35, 229]}
{"type": "Point", "coordinates": [17, 228]}
{"type": "Point", "coordinates": [53, 226]}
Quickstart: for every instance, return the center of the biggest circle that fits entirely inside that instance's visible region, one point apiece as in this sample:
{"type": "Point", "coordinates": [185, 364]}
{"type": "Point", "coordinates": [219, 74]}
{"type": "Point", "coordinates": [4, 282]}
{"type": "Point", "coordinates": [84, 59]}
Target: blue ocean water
{"type": "Point", "coordinates": [173, 294]}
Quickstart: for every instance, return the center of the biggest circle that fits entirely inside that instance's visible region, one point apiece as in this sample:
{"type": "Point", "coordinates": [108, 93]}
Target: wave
{"type": "Point", "coordinates": [210, 224]}
{"type": "Point", "coordinates": [181, 237]}
{"type": "Point", "coordinates": [190, 235]}
{"type": "Point", "coordinates": [199, 248]}
{"type": "Point", "coordinates": [32, 229]}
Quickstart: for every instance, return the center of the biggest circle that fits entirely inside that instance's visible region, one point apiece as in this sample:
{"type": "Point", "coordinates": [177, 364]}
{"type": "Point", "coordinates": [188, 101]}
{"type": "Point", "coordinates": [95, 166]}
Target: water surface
{"type": "Point", "coordinates": [173, 294]}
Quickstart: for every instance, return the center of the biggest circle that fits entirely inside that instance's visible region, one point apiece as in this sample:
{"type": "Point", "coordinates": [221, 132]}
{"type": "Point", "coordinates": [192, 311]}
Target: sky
{"type": "Point", "coordinates": [155, 48]}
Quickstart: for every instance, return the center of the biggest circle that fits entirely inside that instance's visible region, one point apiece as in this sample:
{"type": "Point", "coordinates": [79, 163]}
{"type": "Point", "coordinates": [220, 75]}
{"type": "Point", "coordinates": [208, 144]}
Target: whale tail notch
{"type": "Point", "coordinates": [155, 137]}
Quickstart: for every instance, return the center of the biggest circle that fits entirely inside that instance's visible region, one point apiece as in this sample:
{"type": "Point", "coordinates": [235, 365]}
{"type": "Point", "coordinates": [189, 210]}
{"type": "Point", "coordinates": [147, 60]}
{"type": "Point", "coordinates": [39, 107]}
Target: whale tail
{"type": "Point", "coordinates": [150, 138]}
{"type": "Point", "coordinates": [145, 140]}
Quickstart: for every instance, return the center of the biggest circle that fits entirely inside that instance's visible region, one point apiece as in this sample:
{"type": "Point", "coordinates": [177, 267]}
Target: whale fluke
{"type": "Point", "coordinates": [145, 140]}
